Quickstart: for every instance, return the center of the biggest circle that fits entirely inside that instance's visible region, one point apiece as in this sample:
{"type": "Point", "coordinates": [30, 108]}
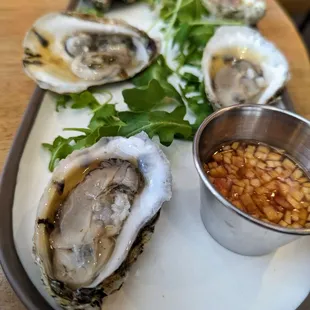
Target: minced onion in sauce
{"type": "Point", "coordinates": [263, 182]}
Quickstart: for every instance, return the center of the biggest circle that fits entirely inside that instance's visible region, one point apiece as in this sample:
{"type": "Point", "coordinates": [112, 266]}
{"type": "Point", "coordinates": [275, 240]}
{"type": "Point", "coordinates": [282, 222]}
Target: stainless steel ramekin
{"type": "Point", "coordinates": [232, 228]}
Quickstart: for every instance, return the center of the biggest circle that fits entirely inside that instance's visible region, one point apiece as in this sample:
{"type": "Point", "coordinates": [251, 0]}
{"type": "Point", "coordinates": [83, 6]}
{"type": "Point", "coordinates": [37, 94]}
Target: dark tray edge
{"type": "Point", "coordinates": [9, 259]}
{"type": "Point", "coordinates": [11, 265]}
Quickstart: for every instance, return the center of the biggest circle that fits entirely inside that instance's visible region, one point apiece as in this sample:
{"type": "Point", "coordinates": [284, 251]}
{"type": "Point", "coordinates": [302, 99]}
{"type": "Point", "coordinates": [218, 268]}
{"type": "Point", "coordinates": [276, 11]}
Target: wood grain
{"type": "Point", "coordinates": [278, 28]}
{"type": "Point", "coordinates": [296, 6]}
{"type": "Point", "coordinates": [16, 16]}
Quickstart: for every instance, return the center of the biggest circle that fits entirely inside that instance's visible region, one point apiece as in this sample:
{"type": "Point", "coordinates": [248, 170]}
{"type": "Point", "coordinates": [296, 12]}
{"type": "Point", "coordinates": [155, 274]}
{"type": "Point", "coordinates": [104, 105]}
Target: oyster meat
{"type": "Point", "coordinates": [248, 11]}
{"type": "Point", "coordinates": [241, 67]}
{"type": "Point", "coordinates": [96, 214]}
{"type": "Point", "coordinates": [69, 52]}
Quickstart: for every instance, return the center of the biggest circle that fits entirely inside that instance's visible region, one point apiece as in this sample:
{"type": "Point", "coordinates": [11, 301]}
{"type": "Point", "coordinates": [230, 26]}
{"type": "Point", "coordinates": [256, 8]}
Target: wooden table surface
{"type": "Point", "coordinates": [16, 16]}
{"type": "Point", "coordinates": [296, 6]}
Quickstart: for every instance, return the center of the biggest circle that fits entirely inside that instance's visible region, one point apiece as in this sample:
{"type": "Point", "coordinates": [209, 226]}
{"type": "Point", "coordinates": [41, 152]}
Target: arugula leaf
{"type": "Point", "coordinates": [190, 11]}
{"type": "Point", "coordinates": [201, 109]}
{"type": "Point", "coordinates": [198, 103]}
{"type": "Point", "coordinates": [192, 39]}
{"type": "Point", "coordinates": [200, 35]}
{"type": "Point", "coordinates": [91, 11]}
{"type": "Point", "coordinates": [177, 12]}
{"type": "Point", "coordinates": [104, 122]}
{"type": "Point", "coordinates": [84, 100]}
{"type": "Point", "coordinates": [60, 149]}
{"type": "Point", "coordinates": [96, 135]}
{"type": "Point", "coordinates": [159, 70]}
{"type": "Point", "coordinates": [144, 98]}
{"type": "Point", "coordinates": [79, 101]}
{"type": "Point", "coordinates": [106, 115]}
{"type": "Point", "coordinates": [190, 78]}
{"type": "Point", "coordinates": [181, 35]}
{"type": "Point", "coordinates": [167, 8]}
{"type": "Point", "coordinates": [83, 130]}
{"type": "Point", "coordinates": [165, 125]}
{"type": "Point", "coordinates": [62, 101]}
{"type": "Point", "coordinates": [63, 147]}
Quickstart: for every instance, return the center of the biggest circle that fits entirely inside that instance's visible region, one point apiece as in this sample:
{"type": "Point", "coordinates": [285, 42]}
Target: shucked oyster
{"type": "Point", "coordinates": [248, 11]}
{"type": "Point", "coordinates": [240, 67]}
{"type": "Point", "coordinates": [95, 215]}
{"type": "Point", "coordinates": [70, 52]}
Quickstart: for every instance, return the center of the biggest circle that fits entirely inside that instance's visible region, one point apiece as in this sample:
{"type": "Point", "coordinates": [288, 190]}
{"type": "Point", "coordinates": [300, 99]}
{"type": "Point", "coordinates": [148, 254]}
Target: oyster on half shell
{"type": "Point", "coordinates": [69, 52]}
{"type": "Point", "coordinates": [241, 67]}
{"type": "Point", "coordinates": [248, 11]}
{"type": "Point", "coordinates": [95, 215]}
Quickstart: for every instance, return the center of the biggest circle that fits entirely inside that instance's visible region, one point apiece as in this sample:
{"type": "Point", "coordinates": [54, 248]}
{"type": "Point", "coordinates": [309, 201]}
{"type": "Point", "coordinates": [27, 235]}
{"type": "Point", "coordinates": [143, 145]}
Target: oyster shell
{"type": "Point", "coordinates": [104, 5]}
{"type": "Point", "coordinates": [97, 212]}
{"type": "Point", "coordinates": [248, 11]}
{"type": "Point", "coordinates": [69, 52]}
{"type": "Point", "coordinates": [240, 66]}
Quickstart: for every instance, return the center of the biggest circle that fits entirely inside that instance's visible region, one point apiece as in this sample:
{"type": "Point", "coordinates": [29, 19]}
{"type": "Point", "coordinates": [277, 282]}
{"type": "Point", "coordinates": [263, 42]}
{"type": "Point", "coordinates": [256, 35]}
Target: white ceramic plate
{"type": "Point", "coordinates": [182, 267]}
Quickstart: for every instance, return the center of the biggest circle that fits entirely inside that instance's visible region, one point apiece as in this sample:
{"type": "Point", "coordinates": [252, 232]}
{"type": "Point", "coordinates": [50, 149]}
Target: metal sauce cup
{"type": "Point", "coordinates": [229, 226]}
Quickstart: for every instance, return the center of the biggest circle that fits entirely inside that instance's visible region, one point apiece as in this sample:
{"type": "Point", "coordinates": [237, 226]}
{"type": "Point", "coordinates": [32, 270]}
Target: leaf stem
{"type": "Point", "coordinates": [84, 130]}
{"type": "Point", "coordinates": [216, 22]}
{"type": "Point", "coordinates": [158, 124]}
{"type": "Point", "coordinates": [175, 10]}
{"type": "Point", "coordinates": [173, 18]}
{"type": "Point", "coordinates": [106, 102]}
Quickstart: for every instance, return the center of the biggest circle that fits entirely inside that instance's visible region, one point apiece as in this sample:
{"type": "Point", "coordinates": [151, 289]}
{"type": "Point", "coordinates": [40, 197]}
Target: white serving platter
{"type": "Point", "coordinates": [182, 267]}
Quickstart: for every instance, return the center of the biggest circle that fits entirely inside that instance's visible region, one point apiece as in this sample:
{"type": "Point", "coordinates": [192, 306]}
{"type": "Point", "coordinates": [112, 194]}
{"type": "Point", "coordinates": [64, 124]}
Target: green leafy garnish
{"type": "Point", "coordinates": [62, 101]}
{"type": "Point", "coordinates": [181, 11]}
{"type": "Point", "coordinates": [106, 115]}
{"type": "Point", "coordinates": [84, 100]}
{"type": "Point", "coordinates": [159, 71]}
{"type": "Point", "coordinates": [195, 96]}
{"type": "Point", "coordinates": [80, 101]}
{"type": "Point", "coordinates": [187, 24]}
{"type": "Point", "coordinates": [91, 11]}
{"type": "Point", "coordinates": [60, 149]}
{"type": "Point", "coordinates": [181, 35]}
{"type": "Point", "coordinates": [107, 121]}
{"type": "Point", "coordinates": [165, 125]}
{"type": "Point", "coordinates": [144, 98]}
{"type": "Point", "coordinates": [191, 40]}
{"type": "Point", "coordinates": [191, 11]}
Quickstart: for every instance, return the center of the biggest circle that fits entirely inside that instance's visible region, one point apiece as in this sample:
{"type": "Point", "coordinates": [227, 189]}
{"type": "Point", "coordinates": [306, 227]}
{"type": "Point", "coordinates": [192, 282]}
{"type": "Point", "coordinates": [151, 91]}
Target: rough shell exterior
{"type": "Point", "coordinates": [137, 230]}
{"type": "Point", "coordinates": [248, 11]}
{"type": "Point", "coordinates": [47, 62]}
{"type": "Point", "coordinates": [273, 63]}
